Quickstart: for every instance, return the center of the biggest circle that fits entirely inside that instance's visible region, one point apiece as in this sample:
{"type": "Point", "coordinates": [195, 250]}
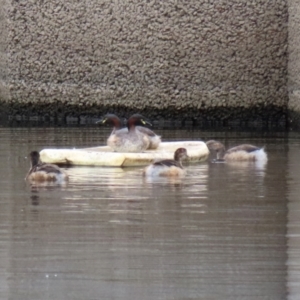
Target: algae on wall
{"type": "Point", "coordinates": [193, 56]}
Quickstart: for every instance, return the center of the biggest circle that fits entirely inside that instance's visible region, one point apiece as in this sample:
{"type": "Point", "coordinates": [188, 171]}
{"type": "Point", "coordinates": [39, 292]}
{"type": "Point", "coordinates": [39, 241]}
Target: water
{"type": "Point", "coordinates": [226, 231]}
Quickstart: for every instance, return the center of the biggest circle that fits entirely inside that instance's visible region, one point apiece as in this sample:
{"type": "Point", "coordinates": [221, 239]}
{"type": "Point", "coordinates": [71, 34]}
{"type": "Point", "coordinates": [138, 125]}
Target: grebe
{"type": "Point", "coordinates": [132, 140]}
{"type": "Point", "coordinates": [168, 167]}
{"type": "Point", "coordinates": [40, 172]}
{"type": "Point", "coordinates": [244, 152]}
{"type": "Point", "coordinates": [112, 119]}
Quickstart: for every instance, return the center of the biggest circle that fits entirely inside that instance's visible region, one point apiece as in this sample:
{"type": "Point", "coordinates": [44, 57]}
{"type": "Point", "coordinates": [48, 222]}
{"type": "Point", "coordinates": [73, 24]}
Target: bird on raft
{"type": "Point", "coordinates": [244, 152]}
{"type": "Point", "coordinates": [168, 167]}
{"type": "Point", "coordinates": [132, 138]}
{"type": "Point", "coordinates": [43, 172]}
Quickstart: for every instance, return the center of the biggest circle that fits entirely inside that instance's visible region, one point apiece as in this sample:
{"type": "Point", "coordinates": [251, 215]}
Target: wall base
{"type": "Point", "coordinates": [257, 117]}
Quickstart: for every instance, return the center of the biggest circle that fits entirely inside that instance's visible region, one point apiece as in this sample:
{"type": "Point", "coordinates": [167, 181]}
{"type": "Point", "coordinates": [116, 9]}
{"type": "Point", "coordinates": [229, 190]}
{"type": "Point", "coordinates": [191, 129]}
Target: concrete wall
{"type": "Point", "coordinates": [166, 58]}
{"type": "Point", "coordinates": [4, 68]}
{"type": "Point", "coordinates": [294, 62]}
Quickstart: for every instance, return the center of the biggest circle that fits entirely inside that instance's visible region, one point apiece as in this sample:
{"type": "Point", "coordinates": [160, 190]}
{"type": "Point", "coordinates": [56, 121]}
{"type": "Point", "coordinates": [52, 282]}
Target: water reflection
{"type": "Point", "coordinates": [34, 198]}
{"type": "Point", "coordinates": [293, 225]}
{"type": "Point", "coordinates": [110, 233]}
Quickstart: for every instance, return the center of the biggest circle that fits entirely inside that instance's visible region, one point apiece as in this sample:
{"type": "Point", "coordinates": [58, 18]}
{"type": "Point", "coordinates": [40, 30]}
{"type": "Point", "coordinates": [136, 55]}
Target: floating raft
{"type": "Point", "coordinates": [104, 156]}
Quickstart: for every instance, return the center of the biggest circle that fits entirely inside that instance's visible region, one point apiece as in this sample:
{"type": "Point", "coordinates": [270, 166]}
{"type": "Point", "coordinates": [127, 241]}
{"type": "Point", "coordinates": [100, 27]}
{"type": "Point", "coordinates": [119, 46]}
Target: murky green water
{"type": "Point", "coordinates": [224, 232]}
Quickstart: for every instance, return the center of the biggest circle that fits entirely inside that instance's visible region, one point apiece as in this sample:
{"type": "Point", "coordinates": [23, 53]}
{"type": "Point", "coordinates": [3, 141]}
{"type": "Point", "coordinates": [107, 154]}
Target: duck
{"type": "Point", "coordinates": [168, 167]}
{"type": "Point", "coordinates": [244, 152]}
{"type": "Point", "coordinates": [41, 172]}
{"type": "Point", "coordinates": [112, 119]}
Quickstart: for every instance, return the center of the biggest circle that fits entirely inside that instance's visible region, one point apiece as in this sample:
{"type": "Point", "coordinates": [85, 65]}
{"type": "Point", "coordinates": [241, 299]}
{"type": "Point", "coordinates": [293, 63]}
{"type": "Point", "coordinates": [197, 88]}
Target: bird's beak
{"type": "Point", "coordinates": [101, 121]}
{"type": "Point", "coordinates": [146, 122]}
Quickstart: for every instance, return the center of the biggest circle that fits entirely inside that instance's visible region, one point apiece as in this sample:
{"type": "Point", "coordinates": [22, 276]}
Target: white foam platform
{"type": "Point", "coordinates": [103, 156]}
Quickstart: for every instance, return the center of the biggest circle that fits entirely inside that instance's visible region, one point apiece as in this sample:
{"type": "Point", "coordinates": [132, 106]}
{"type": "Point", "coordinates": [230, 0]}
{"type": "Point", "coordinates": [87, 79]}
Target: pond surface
{"type": "Point", "coordinates": [225, 231]}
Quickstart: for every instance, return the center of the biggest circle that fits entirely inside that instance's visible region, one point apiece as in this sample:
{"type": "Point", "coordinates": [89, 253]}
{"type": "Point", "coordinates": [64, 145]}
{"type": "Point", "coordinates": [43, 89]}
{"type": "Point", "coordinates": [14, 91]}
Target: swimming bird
{"type": "Point", "coordinates": [41, 172]}
{"type": "Point", "coordinates": [168, 167]}
{"type": "Point", "coordinates": [244, 152]}
{"type": "Point", "coordinates": [113, 120]}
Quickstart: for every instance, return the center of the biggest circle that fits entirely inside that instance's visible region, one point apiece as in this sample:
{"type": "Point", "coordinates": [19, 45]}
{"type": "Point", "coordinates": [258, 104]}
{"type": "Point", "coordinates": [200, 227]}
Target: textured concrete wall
{"type": "Point", "coordinates": [294, 61]}
{"type": "Point", "coordinates": [4, 30]}
{"type": "Point", "coordinates": [188, 57]}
